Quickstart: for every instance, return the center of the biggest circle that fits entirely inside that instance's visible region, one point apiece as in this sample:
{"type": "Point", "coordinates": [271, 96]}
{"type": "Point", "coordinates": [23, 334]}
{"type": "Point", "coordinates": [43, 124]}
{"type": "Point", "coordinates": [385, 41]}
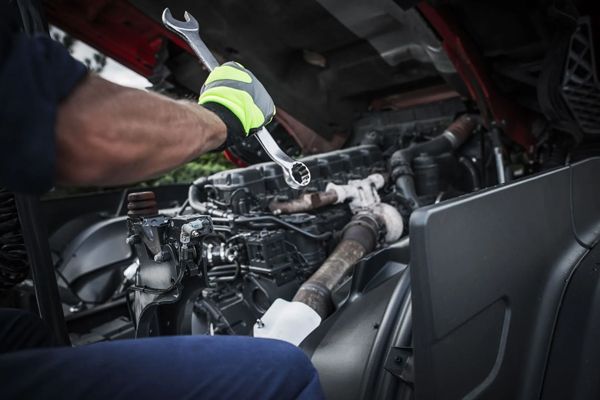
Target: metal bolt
{"type": "Point", "coordinates": [162, 256]}
{"type": "Point", "coordinates": [260, 324]}
{"type": "Point", "coordinates": [133, 239]}
{"type": "Point", "coordinates": [76, 308]}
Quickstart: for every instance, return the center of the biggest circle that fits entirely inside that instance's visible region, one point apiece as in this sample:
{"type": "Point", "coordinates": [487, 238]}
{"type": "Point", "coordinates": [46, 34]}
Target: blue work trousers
{"type": "Point", "coordinates": [181, 367]}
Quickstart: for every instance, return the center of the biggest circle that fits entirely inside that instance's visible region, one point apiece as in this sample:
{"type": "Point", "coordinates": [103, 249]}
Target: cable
{"type": "Point", "coordinates": [267, 218]}
{"type": "Point", "coordinates": [183, 207]}
{"type": "Point", "coordinates": [300, 257]}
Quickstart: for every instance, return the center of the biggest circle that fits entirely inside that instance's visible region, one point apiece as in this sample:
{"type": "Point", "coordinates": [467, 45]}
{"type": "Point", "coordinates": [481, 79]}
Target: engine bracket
{"type": "Point", "coordinates": [400, 363]}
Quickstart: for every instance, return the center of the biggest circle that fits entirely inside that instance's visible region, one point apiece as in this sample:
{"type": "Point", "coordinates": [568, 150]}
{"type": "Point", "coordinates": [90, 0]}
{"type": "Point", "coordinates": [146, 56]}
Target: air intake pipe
{"type": "Point", "coordinates": [358, 239]}
{"type": "Point", "coordinates": [294, 321]}
{"type": "Point", "coordinates": [401, 161]}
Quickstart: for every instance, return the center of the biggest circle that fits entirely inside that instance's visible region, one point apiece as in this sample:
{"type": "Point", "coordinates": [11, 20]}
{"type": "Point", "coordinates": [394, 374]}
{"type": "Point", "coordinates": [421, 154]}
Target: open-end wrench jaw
{"type": "Point", "coordinates": [190, 24]}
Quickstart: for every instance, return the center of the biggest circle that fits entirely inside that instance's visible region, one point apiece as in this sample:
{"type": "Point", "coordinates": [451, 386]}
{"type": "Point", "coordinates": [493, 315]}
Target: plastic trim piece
{"type": "Point", "coordinates": [489, 272]}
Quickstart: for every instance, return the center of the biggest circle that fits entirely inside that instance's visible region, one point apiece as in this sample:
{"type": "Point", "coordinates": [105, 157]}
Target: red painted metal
{"type": "Point", "coordinates": [495, 108]}
{"type": "Point", "coordinates": [414, 98]}
{"type": "Point", "coordinates": [115, 28]}
{"type": "Point", "coordinates": [233, 159]}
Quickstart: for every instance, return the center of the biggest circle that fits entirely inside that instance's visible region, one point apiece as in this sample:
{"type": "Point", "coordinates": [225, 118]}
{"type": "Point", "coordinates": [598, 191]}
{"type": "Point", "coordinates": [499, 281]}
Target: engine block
{"type": "Point", "coordinates": [249, 256]}
{"type": "Point", "coordinates": [253, 188]}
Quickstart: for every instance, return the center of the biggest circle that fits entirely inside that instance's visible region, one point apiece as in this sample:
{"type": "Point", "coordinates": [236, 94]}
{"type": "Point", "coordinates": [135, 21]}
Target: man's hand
{"type": "Point", "coordinates": [239, 99]}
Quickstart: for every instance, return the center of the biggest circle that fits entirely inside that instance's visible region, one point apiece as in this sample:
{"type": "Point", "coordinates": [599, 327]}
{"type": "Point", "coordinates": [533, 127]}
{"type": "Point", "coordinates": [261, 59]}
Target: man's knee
{"type": "Point", "coordinates": [290, 355]}
{"type": "Point", "coordinates": [292, 365]}
{"type": "Point", "coordinates": [305, 372]}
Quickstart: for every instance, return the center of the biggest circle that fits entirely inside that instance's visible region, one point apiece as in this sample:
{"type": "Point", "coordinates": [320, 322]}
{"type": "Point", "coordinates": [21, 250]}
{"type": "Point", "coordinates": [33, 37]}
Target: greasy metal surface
{"type": "Point", "coordinates": [339, 262]}
{"type": "Point", "coordinates": [306, 202]}
{"type": "Point", "coordinates": [296, 174]}
{"type": "Point", "coordinates": [316, 292]}
{"type": "Point", "coordinates": [462, 128]}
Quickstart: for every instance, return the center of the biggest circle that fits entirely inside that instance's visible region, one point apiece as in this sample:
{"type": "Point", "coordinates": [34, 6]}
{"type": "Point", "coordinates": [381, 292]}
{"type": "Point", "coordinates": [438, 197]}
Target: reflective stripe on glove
{"type": "Point", "coordinates": [233, 87]}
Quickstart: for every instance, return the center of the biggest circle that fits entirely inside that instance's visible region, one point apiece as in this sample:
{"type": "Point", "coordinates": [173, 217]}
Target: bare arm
{"type": "Point", "coordinates": [107, 134]}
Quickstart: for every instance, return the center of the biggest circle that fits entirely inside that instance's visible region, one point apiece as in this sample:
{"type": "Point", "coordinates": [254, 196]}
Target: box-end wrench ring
{"type": "Point", "coordinates": [296, 173]}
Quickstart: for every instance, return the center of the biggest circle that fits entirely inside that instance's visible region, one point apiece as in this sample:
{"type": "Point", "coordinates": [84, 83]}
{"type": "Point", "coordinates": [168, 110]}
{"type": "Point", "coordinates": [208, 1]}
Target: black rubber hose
{"type": "Point", "coordinates": [194, 194]}
{"type": "Point", "coordinates": [401, 160]}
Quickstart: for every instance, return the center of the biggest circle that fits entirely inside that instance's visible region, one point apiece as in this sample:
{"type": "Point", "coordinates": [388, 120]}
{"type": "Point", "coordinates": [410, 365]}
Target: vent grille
{"type": "Point", "coordinates": [580, 86]}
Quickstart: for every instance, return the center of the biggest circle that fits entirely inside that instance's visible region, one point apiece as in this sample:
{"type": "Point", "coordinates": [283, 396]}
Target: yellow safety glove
{"type": "Point", "coordinates": [239, 99]}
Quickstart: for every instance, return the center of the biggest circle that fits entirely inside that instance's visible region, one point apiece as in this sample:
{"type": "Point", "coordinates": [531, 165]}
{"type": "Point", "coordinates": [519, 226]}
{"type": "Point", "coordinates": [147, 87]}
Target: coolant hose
{"type": "Point", "coordinates": [359, 238]}
{"type": "Point", "coordinates": [401, 160]}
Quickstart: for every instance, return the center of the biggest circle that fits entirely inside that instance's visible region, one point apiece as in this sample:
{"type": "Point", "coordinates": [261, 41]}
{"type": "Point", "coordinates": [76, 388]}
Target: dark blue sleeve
{"type": "Point", "coordinates": [36, 73]}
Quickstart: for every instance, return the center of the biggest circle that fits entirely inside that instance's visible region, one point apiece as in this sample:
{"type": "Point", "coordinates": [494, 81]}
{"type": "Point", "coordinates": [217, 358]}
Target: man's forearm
{"type": "Point", "coordinates": [107, 134]}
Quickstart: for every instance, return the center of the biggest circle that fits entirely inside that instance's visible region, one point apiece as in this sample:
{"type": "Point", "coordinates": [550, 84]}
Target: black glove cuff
{"type": "Point", "coordinates": [235, 130]}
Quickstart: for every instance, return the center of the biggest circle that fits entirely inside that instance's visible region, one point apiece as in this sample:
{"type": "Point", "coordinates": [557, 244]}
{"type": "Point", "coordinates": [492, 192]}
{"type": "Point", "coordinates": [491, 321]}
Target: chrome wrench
{"type": "Point", "coordinates": [296, 173]}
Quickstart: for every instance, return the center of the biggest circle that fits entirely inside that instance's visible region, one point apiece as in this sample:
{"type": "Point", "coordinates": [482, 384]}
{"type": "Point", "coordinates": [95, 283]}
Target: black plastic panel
{"type": "Point", "coordinates": [488, 273]}
{"type": "Point", "coordinates": [99, 246]}
{"type": "Point", "coordinates": [93, 260]}
{"type": "Point", "coordinates": [343, 352]}
{"type": "Point", "coordinates": [585, 184]}
{"type": "Point", "coordinates": [349, 348]}
{"type": "Point", "coordinates": [574, 362]}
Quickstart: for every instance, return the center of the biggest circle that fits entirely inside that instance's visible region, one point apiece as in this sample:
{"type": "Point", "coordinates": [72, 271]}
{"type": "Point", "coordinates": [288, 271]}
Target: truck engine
{"type": "Point", "coordinates": [244, 238]}
{"type": "Point", "coordinates": [446, 246]}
